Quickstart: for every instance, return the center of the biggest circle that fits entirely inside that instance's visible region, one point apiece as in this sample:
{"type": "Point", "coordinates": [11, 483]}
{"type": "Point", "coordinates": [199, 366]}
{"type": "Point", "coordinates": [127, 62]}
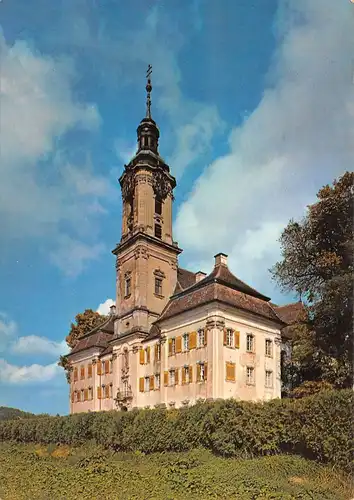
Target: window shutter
{"type": "Point", "coordinates": [106, 366]}
{"type": "Point", "coordinates": [151, 383]}
{"type": "Point", "coordinates": [227, 365]}
{"type": "Point", "coordinates": [225, 336]}
{"type": "Point", "coordinates": [190, 374]}
{"type": "Point", "coordinates": [75, 374]}
{"type": "Point", "coordinates": [148, 354]}
{"type": "Point", "coordinates": [72, 397]}
{"type": "Point", "coordinates": [176, 376]}
{"type": "Point", "coordinates": [106, 391]}
{"type": "Point", "coordinates": [141, 384]}
{"type": "Point", "coordinates": [89, 370]}
{"type": "Point", "coordinates": [183, 375]}
{"type": "Point", "coordinates": [156, 349]}
{"type": "Point", "coordinates": [99, 393]}
{"type": "Point", "coordinates": [170, 347]}
{"type": "Point", "coordinates": [230, 372]}
{"type": "Point", "coordinates": [205, 336]}
{"type": "Point", "coordinates": [179, 344]}
{"type": "Point", "coordinates": [205, 371]}
{"type": "Point", "coordinates": [237, 340]}
{"type": "Point", "coordinates": [99, 367]}
{"type": "Point", "coordinates": [165, 378]}
{"type": "Point", "coordinates": [142, 356]}
{"type": "Point", "coordinates": [198, 372]}
{"type": "Point", "coordinates": [82, 372]}
{"type": "Point", "coordinates": [192, 340]}
{"type": "Point", "coordinates": [85, 395]}
{"type": "Point", "coordinates": [110, 366]}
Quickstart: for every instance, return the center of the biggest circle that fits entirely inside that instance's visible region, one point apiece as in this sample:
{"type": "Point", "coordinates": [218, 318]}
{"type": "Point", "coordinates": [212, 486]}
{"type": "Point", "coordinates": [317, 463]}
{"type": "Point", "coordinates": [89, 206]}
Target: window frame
{"type": "Point", "coordinates": [230, 337]}
{"type": "Point", "coordinates": [158, 352]}
{"type": "Point", "coordinates": [250, 336]}
{"type": "Point", "coordinates": [269, 342]}
{"type": "Point", "coordinates": [158, 286]}
{"type": "Point", "coordinates": [185, 342]}
{"type": "Point", "coordinates": [201, 372]}
{"type": "Point", "coordinates": [158, 206]}
{"type": "Point", "coordinates": [173, 346]}
{"type": "Point", "coordinates": [146, 384]}
{"type": "Point", "coordinates": [172, 377]}
{"type": "Point", "coordinates": [127, 287]}
{"type": "Point", "coordinates": [201, 335]}
{"type": "Point", "coordinates": [158, 231]}
{"type": "Point", "coordinates": [250, 380]}
{"type": "Point", "coordinates": [185, 369]}
{"type": "Point", "coordinates": [266, 381]}
{"type": "Point", "coordinates": [157, 381]}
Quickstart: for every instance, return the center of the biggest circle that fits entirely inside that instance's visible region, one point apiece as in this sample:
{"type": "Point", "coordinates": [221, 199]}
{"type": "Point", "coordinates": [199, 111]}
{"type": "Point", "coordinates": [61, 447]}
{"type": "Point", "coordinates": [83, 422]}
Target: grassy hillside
{"type": "Point", "coordinates": [7, 413]}
{"type": "Point", "coordinates": [62, 473]}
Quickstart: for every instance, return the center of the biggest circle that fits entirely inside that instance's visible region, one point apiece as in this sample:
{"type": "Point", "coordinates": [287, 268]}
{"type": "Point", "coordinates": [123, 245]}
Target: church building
{"type": "Point", "coordinates": [175, 335]}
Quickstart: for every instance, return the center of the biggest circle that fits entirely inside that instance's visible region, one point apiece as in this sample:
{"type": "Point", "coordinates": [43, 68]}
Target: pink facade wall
{"type": "Point", "coordinates": [215, 354]}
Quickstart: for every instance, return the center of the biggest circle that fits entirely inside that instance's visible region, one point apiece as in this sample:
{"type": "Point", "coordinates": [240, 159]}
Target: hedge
{"type": "Point", "coordinates": [317, 427]}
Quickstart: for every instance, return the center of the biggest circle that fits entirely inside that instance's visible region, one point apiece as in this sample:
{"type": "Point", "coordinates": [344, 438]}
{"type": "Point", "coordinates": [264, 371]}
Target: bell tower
{"type": "Point", "coordinates": [146, 256]}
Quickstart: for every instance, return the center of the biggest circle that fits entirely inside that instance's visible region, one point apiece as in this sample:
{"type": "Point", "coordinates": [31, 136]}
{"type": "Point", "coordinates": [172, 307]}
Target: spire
{"type": "Point", "coordinates": [148, 132]}
{"type": "Point", "coordinates": [148, 92]}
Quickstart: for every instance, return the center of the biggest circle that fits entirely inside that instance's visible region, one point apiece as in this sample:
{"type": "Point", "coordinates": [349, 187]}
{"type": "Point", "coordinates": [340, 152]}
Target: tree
{"type": "Point", "coordinates": [317, 264]}
{"type": "Point", "coordinates": [85, 322]}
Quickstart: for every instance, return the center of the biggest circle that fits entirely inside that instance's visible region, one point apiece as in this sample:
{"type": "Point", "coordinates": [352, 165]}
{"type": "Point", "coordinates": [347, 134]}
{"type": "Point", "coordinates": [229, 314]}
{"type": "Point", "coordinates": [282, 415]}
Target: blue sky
{"type": "Point", "coordinates": [254, 100]}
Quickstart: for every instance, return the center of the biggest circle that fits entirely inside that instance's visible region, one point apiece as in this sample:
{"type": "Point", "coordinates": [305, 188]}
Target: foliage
{"type": "Point", "coordinates": [85, 322]}
{"type": "Point", "coordinates": [7, 413]}
{"type": "Point", "coordinates": [317, 264]}
{"type": "Point", "coordinates": [91, 472]}
{"type": "Point", "coordinates": [309, 388]}
{"type": "Point", "coordinates": [317, 427]}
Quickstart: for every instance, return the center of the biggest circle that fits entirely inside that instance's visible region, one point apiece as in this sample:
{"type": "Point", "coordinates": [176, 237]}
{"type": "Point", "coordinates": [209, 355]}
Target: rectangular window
{"type": "Point", "coordinates": [172, 377]}
{"type": "Point", "coordinates": [185, 372]}
{"type": "Point", "coordinates": [90, 393]}
{"type": "Point", "coordinates": [82, 372]}
{"type": "Point", "coordinates": [201, 337]}
{"type": "Point", "coordinates": [110, 390]}
{"type": "Point", "coordinates": [128, 289]}
{"type": "Point", "coordinates": [250, 343]}
{"type": "Point", "coordinates": [158, 352]}
{"type": "Point", "coordinates": [82, 395]}
{"type": "Point", "coordinates": [75, 374]}
{"type": "Point", "coordinates": [157, 381]}
{"type": "Point", "coordinates": [230, 338]}
{"type": "Point", "coordinates": [89, 371]}
{"type": "Point", "coordinates": [158, 231]}
{"type": "Point", "coordinates": [250, 375]}
{"type": "Point", "coordinates": [158, 286]}
{"type": "Point", "coordinates": [201, 370]}
{"type": "Point", "coordinates": [76, 397]}
{"type": "Point", "coordinates": [147, 355]}
{"type": "Point", "coordinates": [173, 346]}
{"type": "Point", "coordinates": [269, 378]}
{"type": "Point", "coordinates": [185, 342]}
{"type": "Point", "coordinates": [268, 348]}
{"type": "Point", "coordinates": [147, 384]}
{"type": "Point", "coordinates": [158, 206]}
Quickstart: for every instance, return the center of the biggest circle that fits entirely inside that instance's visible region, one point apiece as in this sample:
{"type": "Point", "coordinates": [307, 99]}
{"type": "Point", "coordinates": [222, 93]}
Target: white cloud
{"type": "Point", "coordinates": [8, 329]}
{"type": "Point", "coordinates": [71, 255]}
{"type": "Point", "coordinates": [14, 374]}
{"type": "Point", "coordinates": [42, 193]}
{"type": "Point", "coordinates": [33, 344]}
{"type": "Point", "coordinates": [299, 137]}
{"type": "Point", "coordinates": [104, 307]}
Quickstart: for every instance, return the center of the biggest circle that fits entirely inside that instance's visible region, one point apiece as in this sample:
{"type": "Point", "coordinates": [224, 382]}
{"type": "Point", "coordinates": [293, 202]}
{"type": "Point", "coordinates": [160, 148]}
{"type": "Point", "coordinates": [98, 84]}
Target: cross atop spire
{"type": "Point", "coordinates": [148, 91]}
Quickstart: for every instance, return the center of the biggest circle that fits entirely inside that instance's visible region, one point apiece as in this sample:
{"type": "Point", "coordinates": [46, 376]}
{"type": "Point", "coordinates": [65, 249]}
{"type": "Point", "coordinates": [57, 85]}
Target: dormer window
{"type": "Point", "coordinates": [158, 231]}
{"type": "Point", "coordinates": [158, 206]}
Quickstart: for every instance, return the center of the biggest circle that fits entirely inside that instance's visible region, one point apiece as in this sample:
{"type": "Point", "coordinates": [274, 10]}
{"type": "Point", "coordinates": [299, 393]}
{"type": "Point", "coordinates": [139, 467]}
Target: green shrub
{"type": "Point", "coordinates": [316, 427]}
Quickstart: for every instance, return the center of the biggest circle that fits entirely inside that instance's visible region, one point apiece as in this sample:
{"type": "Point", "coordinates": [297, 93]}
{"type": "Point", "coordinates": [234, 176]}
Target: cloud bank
{"type": "Point", "coordinates": [300, 137]}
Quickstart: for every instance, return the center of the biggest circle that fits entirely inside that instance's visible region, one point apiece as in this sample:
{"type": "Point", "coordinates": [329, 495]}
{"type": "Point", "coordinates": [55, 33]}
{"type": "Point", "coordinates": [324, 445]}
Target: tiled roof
{"type": "Point", "coordinates": [185, 279]}
{"type": "Point", "coordinates": [290, 313]}
{"type": "Point", "coordinates": [214, 291]}
{"type": "Point", "coordinates": [98, 337]}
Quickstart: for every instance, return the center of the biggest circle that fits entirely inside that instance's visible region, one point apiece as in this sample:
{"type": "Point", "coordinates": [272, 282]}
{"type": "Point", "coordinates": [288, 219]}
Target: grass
{"type": "Point", "coordinates": [32, 472]}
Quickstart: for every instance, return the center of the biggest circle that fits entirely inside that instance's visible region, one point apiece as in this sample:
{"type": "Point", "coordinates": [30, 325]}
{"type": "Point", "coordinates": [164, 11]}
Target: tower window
{"type": "Point", "coordinates": [158, 206]}
{"type": "Point", "coordinates": [128, 287]}
{"type": "Point", "coordinates": [158, 286]}
{"type": "Point", "coordinates": [158, 231]}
